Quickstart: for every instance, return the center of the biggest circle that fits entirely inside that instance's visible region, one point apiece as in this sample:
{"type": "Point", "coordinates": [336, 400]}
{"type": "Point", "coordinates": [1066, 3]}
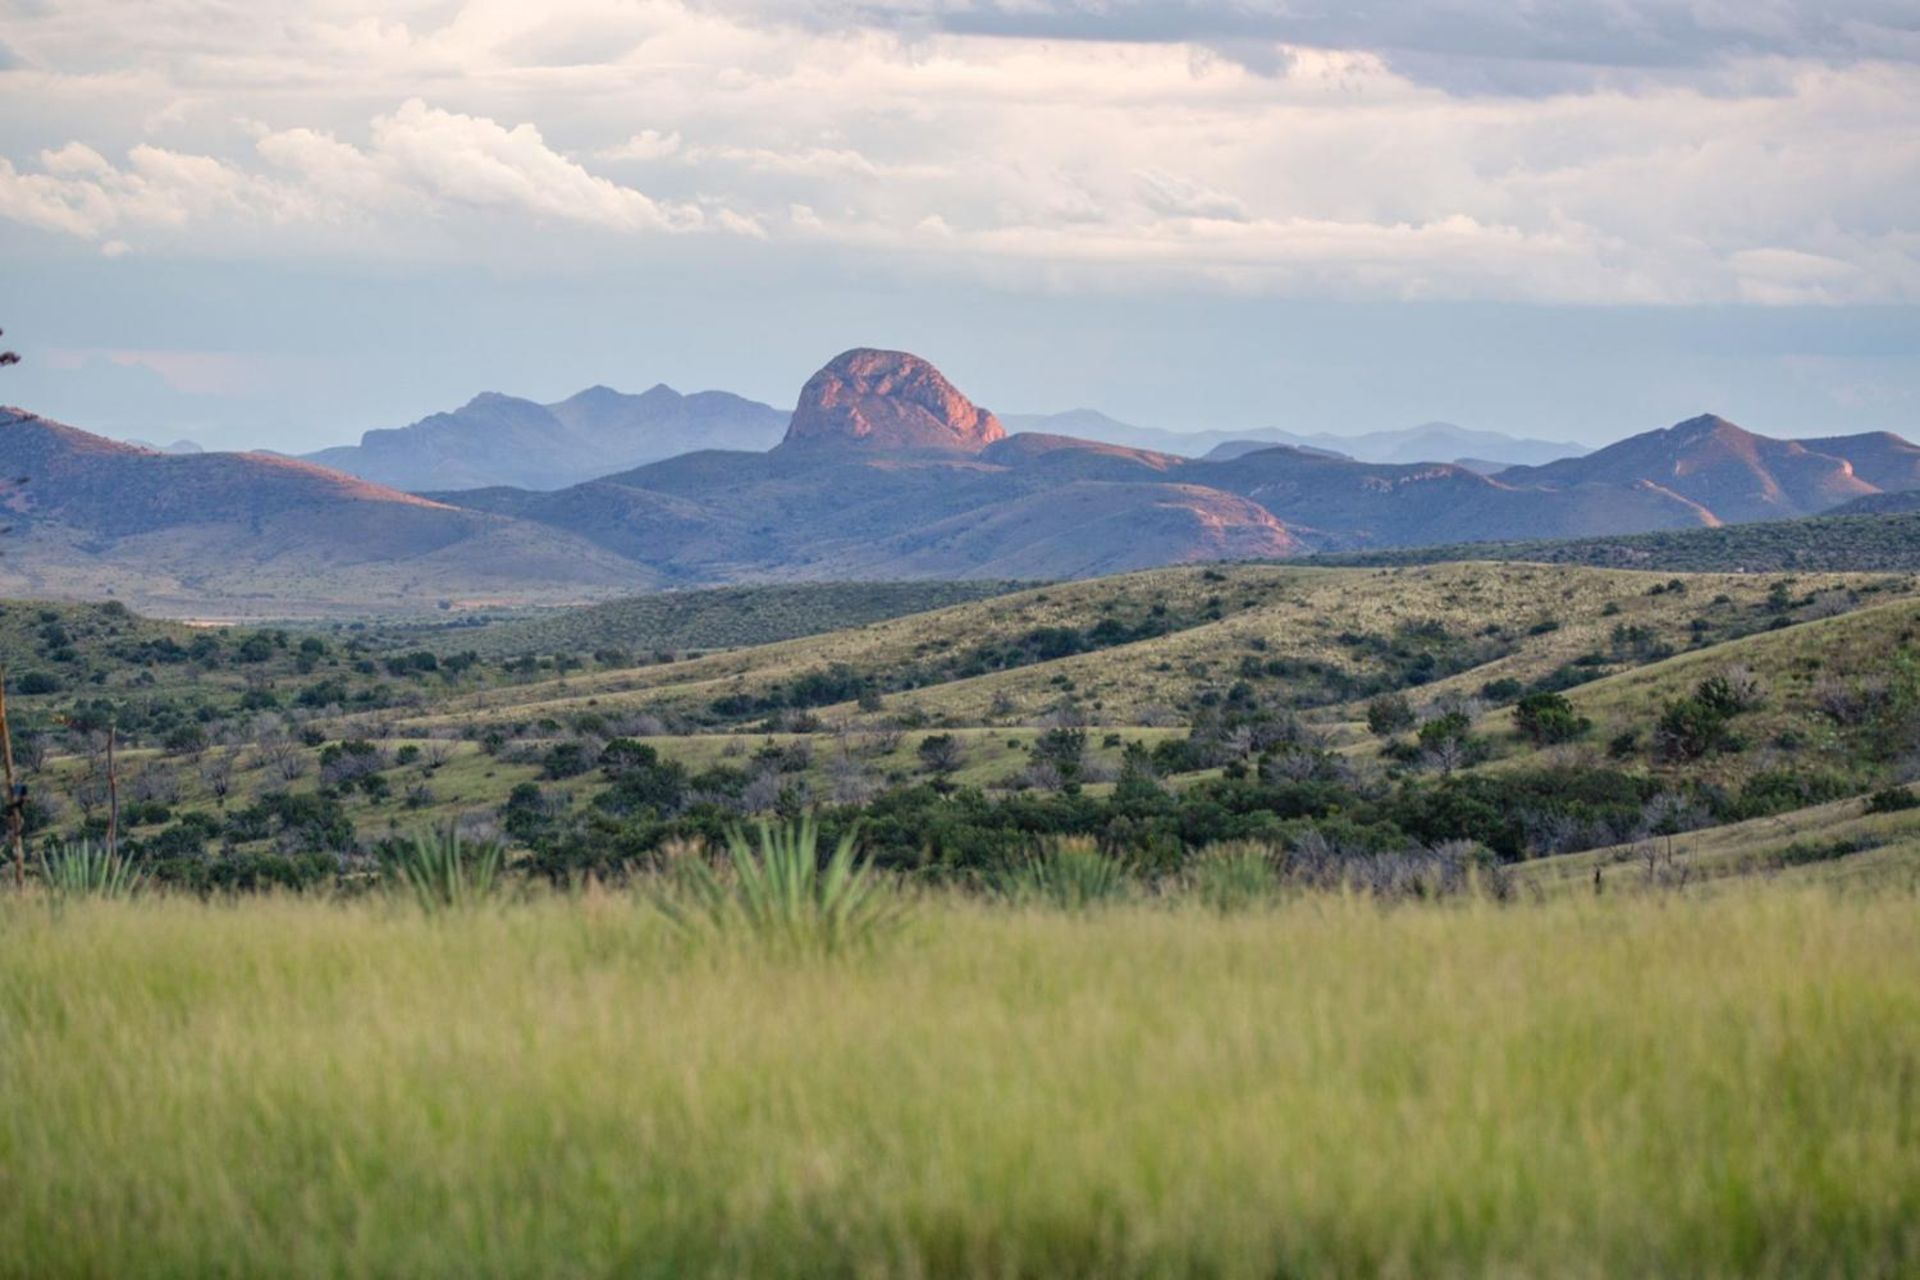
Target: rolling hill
{"type": "Point", "coordinates": [1735, 474]}
{"type": "Point", "coordinates": [256, 534]}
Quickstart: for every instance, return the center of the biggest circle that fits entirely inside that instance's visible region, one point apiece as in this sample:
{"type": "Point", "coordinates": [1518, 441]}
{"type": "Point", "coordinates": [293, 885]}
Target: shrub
{"type": "Point", "coordinates": [941, 753]}
{"type": "Point", "coordinates": [1731, 691]}
{"type": "Point", "coordinates": [1689, 729]}
{"type": "Point", "coordinates": [565, 760]}
{"type": "Point", "coordinates": [1545, 719]}
{"type": "Point", "coordinates": [1388, 714]}
{"type": "Point", "coordinates": [1893, 800]}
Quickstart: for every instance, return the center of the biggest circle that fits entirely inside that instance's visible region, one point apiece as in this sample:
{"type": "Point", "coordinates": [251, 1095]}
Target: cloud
{"type": "Point", "coordinates": [648, 144]}
{"type": "Point", "coordinates": [1634, 151]}
{"type": "Point", "coordinates": [1178, 197]}
{"type": "Point", "coordinates": [1472, 40]}
{"type": "Point", "coordinates": [421, 162]}
{"type": "Point", "coordinates": [472, 160]}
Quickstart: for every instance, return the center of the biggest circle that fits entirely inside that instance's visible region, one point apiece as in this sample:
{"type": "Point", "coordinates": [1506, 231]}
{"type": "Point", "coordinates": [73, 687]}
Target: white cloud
{"type": "Point", "coordinates": [648, 144]}
{"type": "Point", "coordinates": [1765, 153]}
{"type": "Point", "coordinates": [1178, 197]}
{"type": "Point", "coordinates": [420, 161]}
{"type": "Point", "coordinates": [472, 160]}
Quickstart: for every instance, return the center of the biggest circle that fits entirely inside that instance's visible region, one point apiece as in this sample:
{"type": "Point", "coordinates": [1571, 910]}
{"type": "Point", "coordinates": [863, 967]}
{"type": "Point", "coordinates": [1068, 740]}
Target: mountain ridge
{"type": "Point", "coordinates": [886, 470]}
{"type": "Point", "coordinates": [496, 439]}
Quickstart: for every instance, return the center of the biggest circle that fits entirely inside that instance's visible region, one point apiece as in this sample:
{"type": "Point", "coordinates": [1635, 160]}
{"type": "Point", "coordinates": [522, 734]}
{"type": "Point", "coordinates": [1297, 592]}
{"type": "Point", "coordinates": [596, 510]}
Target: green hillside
{"type": "Point", "coordinates": [1317, 712]}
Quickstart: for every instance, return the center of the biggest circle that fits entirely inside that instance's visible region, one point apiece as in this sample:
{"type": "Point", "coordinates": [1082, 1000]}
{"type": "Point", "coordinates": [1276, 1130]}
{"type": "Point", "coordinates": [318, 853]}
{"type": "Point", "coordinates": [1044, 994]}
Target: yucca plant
{"type": "Point", "coordinates": [87, 870]}
{"type": "Point", "coordinates": [1071, 874]}
{"type": "Point", "coordinates": [1233, 877]}
{"type": "Point", "coordinates": [777, 890]}
{"type": "Point", "coordinates": [442, 871]}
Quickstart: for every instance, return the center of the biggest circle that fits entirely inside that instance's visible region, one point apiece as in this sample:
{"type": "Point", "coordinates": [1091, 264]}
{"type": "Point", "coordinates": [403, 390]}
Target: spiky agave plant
{"type": "Point", "coordinates": [1071, 874]}
{"type": "Point", "coordinates": [87, 870]}
{"type": "Point", "coordinates": [442, 871]}
{"type": "Point", "coordinates": [776, 890]}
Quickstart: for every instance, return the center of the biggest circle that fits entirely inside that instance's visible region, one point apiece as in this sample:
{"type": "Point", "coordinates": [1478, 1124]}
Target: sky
{"type": "Point", "coordinates": [266, 224]}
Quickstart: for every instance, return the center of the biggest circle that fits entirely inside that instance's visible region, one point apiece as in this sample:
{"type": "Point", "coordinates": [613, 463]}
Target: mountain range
{"type": "Point", "coordinates": [1429, 442]}
{"type": "Point", "coordinates": [883, 470]}
{"type": "Point", "coordinates": [496, 439]}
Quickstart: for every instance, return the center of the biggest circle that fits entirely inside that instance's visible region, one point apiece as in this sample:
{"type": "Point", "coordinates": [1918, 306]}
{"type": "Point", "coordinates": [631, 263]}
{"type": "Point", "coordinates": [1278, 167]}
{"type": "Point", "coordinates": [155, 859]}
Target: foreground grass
{"type": "Point", "coordinates": [1717, 1086]}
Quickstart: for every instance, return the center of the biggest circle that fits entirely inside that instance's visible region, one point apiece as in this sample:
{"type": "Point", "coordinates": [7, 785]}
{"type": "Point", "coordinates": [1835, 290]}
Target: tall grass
{"type": "Point", "coordinates": [1723, 1085]}
{"type": "Point", "coordinates": [82, 869]}
{"type": "Point", "coordinates": [777, 890]}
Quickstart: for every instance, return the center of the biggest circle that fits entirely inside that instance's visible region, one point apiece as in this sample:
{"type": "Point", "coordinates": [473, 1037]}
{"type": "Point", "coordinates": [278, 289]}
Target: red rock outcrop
{"type": "Point", "coordinates": [888, 400]}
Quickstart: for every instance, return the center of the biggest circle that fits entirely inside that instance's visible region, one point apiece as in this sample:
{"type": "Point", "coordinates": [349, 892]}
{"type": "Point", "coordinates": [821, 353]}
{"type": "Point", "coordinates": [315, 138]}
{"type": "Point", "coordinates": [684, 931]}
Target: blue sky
{"type": "Point", "coordinates": [278, 225]}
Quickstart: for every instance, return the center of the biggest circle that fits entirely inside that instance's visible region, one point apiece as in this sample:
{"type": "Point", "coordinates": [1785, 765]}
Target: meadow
{"type": "Point", "coordinates": [1703, 1083]}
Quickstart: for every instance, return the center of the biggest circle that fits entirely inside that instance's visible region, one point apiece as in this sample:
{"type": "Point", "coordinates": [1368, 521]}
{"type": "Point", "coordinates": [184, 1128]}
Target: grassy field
{"type": "Point", "coordinates": [1712, 1085]}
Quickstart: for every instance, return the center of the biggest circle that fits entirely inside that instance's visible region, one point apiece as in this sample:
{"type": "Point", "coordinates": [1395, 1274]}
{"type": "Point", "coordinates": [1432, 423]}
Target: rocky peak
{"type": "Point", "coordinates": [889, 400]}
{"type": "Point", "coordinates": [1707, 426]}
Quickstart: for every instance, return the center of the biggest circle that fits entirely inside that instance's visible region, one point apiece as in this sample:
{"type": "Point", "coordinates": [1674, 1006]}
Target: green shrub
{"type": "Point", "coordinates": [1690, 729]}
{"type": "Point", "coordinates": [1548, 718]}
{"type": "Point", "coordinates": [1388, 714]}
{"type": "Point", "coordinates": [1893, 800]}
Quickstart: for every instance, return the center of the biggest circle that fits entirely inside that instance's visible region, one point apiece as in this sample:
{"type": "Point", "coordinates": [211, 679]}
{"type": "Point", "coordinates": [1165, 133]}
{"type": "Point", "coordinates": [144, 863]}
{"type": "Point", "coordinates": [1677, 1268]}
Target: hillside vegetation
{"type": "Point", "coordinates": [1147, 648]}
{"type": "Point", "coordinates": [716, 618]}
{"type": "Point", "coordinates": [1815, 544]}
{"type": "Point", "coordinates": [1477, 714]}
